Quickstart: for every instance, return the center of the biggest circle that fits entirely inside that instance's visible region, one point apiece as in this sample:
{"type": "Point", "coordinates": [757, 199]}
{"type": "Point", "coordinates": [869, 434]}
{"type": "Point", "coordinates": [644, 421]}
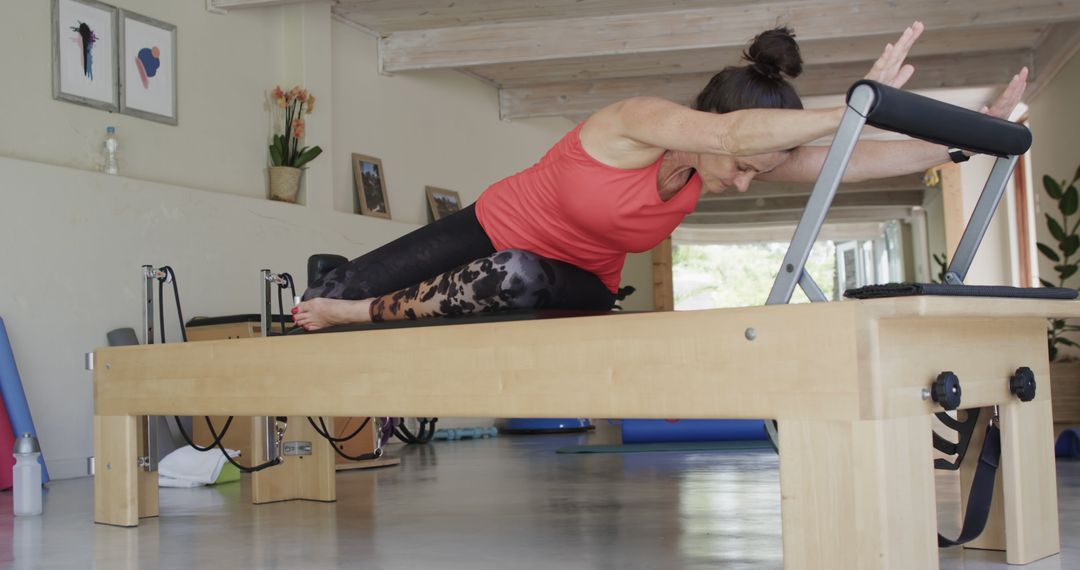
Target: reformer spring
{"type": "Point", "coordinates": [286, 281]}
{"type": "Point", "coordinates": [217, 443]}
{"type": "Point", "coordinates": [163, 275]}
{"type": "Point", "coordinates": [424, 434]}
{"type": "Point", "coordinates": [325, 433]}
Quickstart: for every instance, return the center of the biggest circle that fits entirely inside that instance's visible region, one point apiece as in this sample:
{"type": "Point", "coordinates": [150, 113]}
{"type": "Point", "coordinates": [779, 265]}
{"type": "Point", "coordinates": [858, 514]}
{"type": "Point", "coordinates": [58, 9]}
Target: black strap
{"type": "Point", "coordinates": [982, 490]}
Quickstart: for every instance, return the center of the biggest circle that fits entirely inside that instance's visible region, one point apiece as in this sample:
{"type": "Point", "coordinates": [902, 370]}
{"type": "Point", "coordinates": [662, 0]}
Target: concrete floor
{"type": "Point", "coordinates": [509, 502]}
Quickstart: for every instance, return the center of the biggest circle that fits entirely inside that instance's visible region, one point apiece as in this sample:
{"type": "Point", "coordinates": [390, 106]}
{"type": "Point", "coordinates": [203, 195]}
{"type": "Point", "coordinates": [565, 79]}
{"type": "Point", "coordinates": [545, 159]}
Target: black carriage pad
{"type": "Point", "coordinates": [473, 318]}
{"type": "Point", "coordinates": [938, 122]}
{"type": "Point", "coordinates": [909, 289]}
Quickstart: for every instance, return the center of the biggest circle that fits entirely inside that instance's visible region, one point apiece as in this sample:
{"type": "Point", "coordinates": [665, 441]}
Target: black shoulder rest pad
{"type": "Point", "coordinates": [937, 122]}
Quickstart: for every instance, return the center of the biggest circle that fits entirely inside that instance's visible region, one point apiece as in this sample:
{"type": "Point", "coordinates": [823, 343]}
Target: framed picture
{"type": "Point", "coordinates": [370, 186]}
{"type": "Point", "coordinates": [443, 202]}
{"type": "Point", "coordinates": [147, 68]}
{"type": "Point", "coordinates": [84, 53]}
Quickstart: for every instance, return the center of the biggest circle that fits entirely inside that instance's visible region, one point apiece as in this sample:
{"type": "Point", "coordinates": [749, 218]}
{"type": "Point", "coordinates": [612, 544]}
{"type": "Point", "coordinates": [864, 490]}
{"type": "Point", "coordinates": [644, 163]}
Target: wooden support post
{"type": "Point", "coordinates": [116, 475]}
{"type": "Point", "coordinates": [148, 480]}
{"type": "Point", "coordinates": [308, 477]}
{"type": "Point", "coordinates": [952, 195]}
{"type": "Point", "coordinates": [663, 285]}
{"type": "Point", "coordinates": [858, 495]}
{"type": "Point", "coordinates": [1029, 481]}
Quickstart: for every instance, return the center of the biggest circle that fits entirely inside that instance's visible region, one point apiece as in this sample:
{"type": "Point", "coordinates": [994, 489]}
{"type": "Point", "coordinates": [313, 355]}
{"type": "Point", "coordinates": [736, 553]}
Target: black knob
{"type": "Point", "coordinates": [1022, 384]}
{"type": "Point", "coordinates": [946, 391]}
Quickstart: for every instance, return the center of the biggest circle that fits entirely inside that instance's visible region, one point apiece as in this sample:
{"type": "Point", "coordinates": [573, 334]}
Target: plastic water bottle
{"type": "Point", "coordinates": [111, 166]}
{"type": "Point", "coordinates": [27, 476]}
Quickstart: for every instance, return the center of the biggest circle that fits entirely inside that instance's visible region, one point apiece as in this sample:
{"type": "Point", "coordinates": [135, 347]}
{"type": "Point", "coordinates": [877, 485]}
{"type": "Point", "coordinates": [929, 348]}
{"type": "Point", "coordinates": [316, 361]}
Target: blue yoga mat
{"type": "Point", "coordinates": [14, 397]}
{"type": "Point", "coordinates": [670, 431]}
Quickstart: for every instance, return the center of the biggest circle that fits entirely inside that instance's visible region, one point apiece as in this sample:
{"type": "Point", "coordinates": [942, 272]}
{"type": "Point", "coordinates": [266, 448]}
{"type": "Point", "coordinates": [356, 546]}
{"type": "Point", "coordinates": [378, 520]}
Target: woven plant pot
{"type": "Point", "coordinates": [284, 183]}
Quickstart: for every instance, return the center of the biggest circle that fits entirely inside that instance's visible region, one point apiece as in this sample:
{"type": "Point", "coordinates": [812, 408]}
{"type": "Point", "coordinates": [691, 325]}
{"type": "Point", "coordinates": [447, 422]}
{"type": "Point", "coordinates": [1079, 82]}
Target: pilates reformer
{"type": "Point", "coordinates": [854, 395]}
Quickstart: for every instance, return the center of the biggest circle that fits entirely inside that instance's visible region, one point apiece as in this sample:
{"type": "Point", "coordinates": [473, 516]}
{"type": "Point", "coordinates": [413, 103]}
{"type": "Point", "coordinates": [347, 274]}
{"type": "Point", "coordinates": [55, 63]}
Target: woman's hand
{"type": "Point", "coordinates": [890, 68]}
{"type": "Point", "coordinates": [1010, 98]}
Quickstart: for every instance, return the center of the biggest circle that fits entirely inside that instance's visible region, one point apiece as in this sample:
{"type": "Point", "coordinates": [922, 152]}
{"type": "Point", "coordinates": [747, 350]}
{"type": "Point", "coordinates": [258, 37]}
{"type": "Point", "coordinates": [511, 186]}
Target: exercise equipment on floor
{"type": "Point", "coordinates": [683, 431]}
{"type": "Point", "coordinates": [11, 389]}
{"type": "Point", "coordinates": [534, 426]}
{"type": "Point", "coordinates": [7, 438]}
{"type": "Point", "coordinates": [453, 434]}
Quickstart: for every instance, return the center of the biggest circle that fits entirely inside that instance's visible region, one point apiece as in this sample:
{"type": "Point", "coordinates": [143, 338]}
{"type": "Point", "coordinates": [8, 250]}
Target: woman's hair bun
{"type": "Point", "coordinates": [775, 52]}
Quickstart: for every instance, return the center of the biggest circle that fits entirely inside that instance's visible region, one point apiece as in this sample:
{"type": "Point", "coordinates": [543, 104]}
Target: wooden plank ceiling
{"type": "Point", "coordinates": [571, 57]}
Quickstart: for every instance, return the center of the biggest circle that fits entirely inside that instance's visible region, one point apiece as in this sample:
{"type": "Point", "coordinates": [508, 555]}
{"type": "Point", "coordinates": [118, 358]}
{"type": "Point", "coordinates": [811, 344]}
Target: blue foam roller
{"type": "Point", "coordinates": [14, 397]}
{"type": "Point", "coordinates": [1068, 445]}
{"type": "Point", "coordinates": [677, 431]}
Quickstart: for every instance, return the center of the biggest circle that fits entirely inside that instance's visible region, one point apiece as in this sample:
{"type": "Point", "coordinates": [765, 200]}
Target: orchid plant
{"type": "Point", "coordinates": [286, 149]}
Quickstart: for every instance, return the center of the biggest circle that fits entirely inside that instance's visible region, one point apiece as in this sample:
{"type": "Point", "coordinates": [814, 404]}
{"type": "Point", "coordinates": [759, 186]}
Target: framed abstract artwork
{"type": "Point", "coordinates": [147, 68]}
{"type": "Point", "coordinates": [84, 50]}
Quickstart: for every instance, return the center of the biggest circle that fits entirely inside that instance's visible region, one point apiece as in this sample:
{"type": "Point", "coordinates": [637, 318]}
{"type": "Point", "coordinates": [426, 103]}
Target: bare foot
{"type": "Point", "coordinates": [320, 312]}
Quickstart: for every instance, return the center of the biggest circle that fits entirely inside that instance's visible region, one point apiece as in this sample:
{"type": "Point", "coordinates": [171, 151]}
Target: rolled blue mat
{"type": "Point", "coordinates": [673, 431]}
{"type": "Point", "coordinates": [14, 397]}
{"type": "Point", "coordinates": [1068, 445]}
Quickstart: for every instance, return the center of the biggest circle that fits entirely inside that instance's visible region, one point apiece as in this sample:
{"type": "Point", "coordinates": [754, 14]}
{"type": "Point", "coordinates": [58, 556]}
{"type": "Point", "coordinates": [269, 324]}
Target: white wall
{"type": "Point", "coordinates": [191, 196]}
{"type": "Point", "coordinates": [1055, 150]}
{"type": "Point", "coordinates": [225, 66]}
{"type": "Point", "coordinates": [445, 119]}
{"type": "Point", "coordinates": [992, 264]}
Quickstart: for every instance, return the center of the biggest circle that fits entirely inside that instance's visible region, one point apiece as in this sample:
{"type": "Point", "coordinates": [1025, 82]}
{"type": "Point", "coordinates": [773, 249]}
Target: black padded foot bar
{"type": "Point", "coordinates": [908, 289]}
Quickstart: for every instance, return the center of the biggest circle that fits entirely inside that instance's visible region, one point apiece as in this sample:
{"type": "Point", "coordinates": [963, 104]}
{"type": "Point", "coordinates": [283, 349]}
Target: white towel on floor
{"type": "Point", "coordinates": [189, 467]}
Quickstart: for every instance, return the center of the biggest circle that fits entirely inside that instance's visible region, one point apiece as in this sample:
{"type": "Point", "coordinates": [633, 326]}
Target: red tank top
{"type": "Point", "coordinates": [571, 207]}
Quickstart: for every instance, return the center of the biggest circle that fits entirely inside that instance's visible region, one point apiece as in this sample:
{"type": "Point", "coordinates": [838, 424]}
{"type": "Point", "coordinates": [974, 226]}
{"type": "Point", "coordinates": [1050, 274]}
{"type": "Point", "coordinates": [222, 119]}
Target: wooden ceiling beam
{"type": "Point", "coordinates": [585, 97]}
{"type": "Point", "coordinates": [715, 27]}
{"type": "Point", "coordinates": [763, 189]}
{"type": "Point", "coordinates": [784, 203]}
{"type": "Point", "coordinates": [818, 52]}
{"type": "Point", "coordinates": [1060, 44]}
{"type": "Point", "coordinates": [224, 5]}
{"type": "Point", "coordinates": [838, 214]}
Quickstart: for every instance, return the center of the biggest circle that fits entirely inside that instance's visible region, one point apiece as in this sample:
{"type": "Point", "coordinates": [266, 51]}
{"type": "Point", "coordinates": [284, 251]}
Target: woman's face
{"type": "Point", "coordinates": [718, 173]}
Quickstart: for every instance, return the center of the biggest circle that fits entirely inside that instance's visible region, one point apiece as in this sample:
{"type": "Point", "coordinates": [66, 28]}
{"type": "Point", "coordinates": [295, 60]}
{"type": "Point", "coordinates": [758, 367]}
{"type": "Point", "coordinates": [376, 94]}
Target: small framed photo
{"type": "Point", "coordinates": [147, 68]}
{"type": "Point", "coordinates": [84, 53]}
{"type": "Point", "coordinates": [370, 183]}
{"type": "Point", "coordinates": [443, 202]}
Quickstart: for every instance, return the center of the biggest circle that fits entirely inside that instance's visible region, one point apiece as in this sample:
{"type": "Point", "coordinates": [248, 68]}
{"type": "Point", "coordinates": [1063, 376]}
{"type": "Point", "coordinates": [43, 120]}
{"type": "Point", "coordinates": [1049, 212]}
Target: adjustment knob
{"type": "Point", "coordinates": [1022, 384]}
{"type": "Point", "coordinates": [946, 391]}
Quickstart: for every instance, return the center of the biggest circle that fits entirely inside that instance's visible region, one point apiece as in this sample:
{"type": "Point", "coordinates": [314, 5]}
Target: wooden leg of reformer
{"type": "Point", "coordinates": [148, 480]}
{"type": "Point", "coordinates": [858, 495]}
{"type": "Point", "coordinates": [1029, 481]}
{"type": "Point", "coordinates": [116, 473]}
{"type": "Point", "coordinates": [308, 477]}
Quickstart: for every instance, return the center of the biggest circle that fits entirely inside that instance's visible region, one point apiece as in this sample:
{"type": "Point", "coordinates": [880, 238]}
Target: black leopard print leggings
{"type": "Point", "coordinates": [450, 268]}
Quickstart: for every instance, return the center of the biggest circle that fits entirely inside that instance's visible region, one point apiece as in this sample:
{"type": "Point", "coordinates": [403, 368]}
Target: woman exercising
{"type": "Point", "coordinates": [556, 234]}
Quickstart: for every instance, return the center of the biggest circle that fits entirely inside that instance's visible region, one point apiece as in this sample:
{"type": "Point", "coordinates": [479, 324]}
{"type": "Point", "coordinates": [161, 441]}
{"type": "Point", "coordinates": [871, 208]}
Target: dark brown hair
{"type": "Point", "coordinates": [760, 84]}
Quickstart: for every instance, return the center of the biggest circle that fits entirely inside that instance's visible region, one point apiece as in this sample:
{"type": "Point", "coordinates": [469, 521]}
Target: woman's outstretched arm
{"type": "Point", "coordinates": [634, 132]}
{"type": "Point", "coordinates": [882, 159]}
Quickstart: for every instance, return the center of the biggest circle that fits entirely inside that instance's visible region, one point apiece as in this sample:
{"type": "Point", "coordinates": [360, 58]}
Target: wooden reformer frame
{"type": "Point", "coordinates": [845, 382]}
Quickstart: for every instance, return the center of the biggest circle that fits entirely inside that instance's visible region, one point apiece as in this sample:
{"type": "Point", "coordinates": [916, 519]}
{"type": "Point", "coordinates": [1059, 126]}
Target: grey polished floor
{"type": "Point", "coordinates": [510, 502]}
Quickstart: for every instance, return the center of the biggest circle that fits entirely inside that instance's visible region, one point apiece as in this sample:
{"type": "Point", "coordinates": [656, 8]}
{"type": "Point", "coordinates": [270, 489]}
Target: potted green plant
{"type": "Point", "coordinates": [1063, 227]}
{"type": "Point", "coordinates": [287, 156]}
{"type": "Point", "coordinates": [1066, 264]}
